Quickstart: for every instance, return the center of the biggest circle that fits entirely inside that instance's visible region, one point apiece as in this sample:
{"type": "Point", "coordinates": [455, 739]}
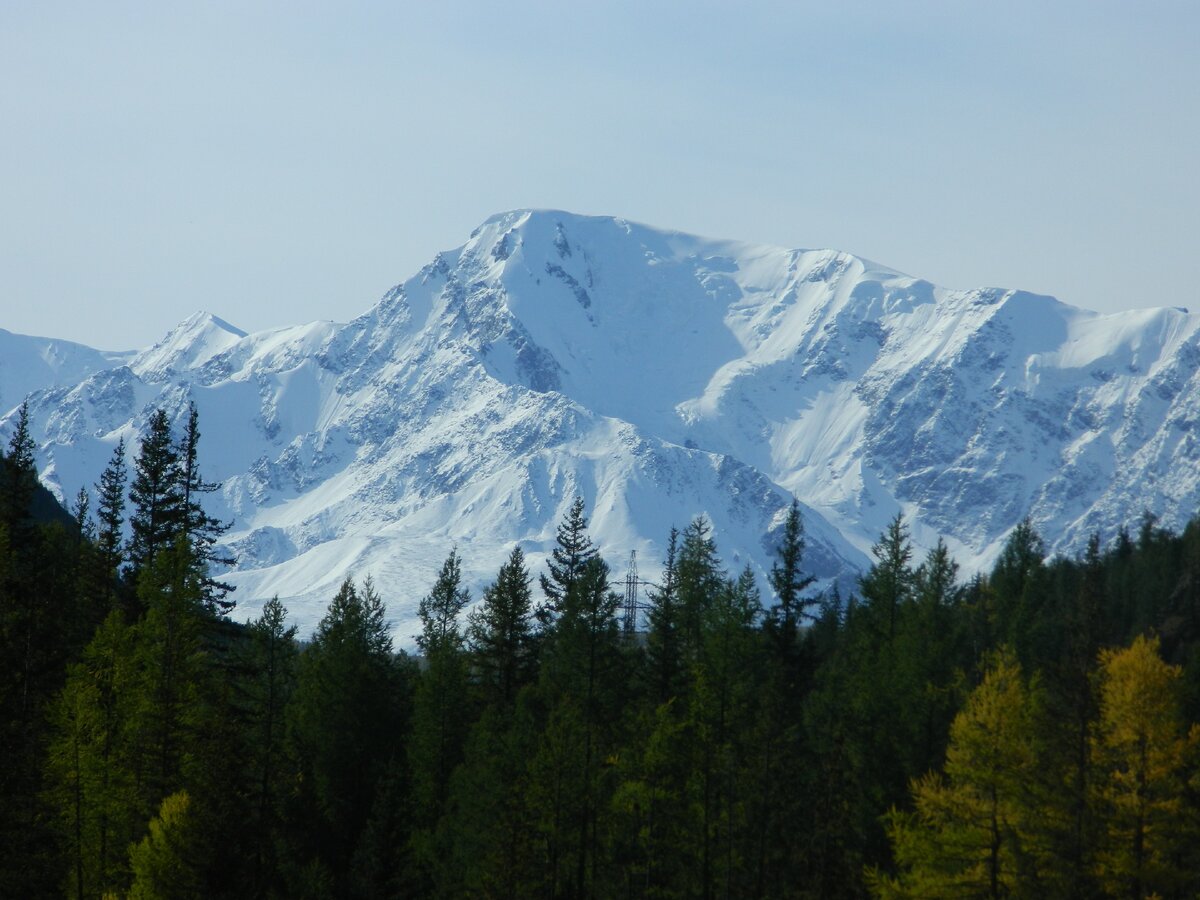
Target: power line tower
{"type": "Point", "coordinates": [631, 595]}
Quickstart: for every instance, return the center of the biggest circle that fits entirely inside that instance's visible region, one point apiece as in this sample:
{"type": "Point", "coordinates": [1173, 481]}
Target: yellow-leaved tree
{"type": "Point", "coordinates": [969, 834]}
{"type": "Point", "coordinates": [1142, 753]}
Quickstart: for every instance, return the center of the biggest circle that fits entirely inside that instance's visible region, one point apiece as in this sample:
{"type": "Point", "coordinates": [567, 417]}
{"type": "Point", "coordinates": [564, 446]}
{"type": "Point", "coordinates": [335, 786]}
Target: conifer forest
{"type": "Point", "coordinates": [1027, 732]}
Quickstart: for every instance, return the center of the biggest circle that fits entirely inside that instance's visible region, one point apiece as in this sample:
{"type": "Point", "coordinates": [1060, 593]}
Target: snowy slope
{"type": "Point", "coordinates": [29, 364]}
{"type": "Point", "coordinates": [661, 375]}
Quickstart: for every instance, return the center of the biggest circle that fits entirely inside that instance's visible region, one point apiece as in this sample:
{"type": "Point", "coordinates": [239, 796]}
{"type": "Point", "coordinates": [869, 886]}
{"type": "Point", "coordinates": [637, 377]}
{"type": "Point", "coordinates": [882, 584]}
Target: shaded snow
{"type": "Point", "coordinates": [660, 375]}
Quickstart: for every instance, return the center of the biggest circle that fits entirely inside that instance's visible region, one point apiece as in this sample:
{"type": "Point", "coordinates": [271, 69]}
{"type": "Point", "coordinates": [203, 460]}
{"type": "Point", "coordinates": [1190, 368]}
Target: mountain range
{"type": "Point", "coordinates": [659, 375]}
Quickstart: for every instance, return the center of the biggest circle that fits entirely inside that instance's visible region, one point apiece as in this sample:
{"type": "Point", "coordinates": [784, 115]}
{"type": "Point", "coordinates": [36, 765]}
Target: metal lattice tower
{"type": "Point", "coordinates": [631, 594]}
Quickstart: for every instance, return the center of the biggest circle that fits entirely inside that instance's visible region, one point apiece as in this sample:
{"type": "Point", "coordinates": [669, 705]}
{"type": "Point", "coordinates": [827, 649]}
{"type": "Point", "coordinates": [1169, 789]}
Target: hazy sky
{"type": "Point", "coordinates": [278, 163]}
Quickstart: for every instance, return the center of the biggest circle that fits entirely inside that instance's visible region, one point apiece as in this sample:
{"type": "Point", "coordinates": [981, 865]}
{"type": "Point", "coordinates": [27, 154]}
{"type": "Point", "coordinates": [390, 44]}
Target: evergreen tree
{"type": "Point", "coordinates": [664, 650]}
{"type": "Point", "coordinates": [91, 771]}
{"type": "Point", "coordinates": [19, 476]}
{"type": "Point", "coordinates": [272, 680]}
{"type": "Point", "coordinates": [500, 633]}
{"type": "Point", "coordinates": [1018, 581]}
{"type": "Point", "coordinates": [441, 714]}
{"type": "Point", "coordinates": [156, 495]}
{"type": "Point", "coordinates": [792, 608]}
{"type": "Point", "coordinates": [345, 720]}
{"type": "Point", "coordinates": [110, 513]}
{"type": "Point", "coordinates": [172, 672]}
{"type": "Point", "coordinates": [701, 578]}
{"type": "Point", "coordinates": [441, 608]}
{"type": "Point", "coordinates": [581, 681]}
{"type": "Point", "coordinates": [572, 551]}
{"type": "Point", "coordinates": [722, 712]}
{"type": "Point", "coordinates": [889, 582]}
{"type": "Point", "coordinates": [201, 530]}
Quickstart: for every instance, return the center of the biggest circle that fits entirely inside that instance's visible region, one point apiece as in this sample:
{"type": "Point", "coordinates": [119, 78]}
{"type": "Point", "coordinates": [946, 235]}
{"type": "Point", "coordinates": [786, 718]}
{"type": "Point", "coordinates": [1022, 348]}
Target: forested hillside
{"type": "Point", "coordinates": [1025, 733]}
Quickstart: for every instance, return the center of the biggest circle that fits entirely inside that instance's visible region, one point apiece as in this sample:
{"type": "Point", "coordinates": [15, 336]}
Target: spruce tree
{"type": "Point", "coordinates": [664, 652]}
{"type": "Point", "coordinates": [273, 658]}
{"type": "Point", "coordinates": [572, 551]}
{"type": "Point", "coordinates": [156, 495]}
{"type": "Point", "coordinates": [500, 633]}
{"type": "Point", "coordinates": [346, 719]}
{"type": "Point", "coordinates": [441, 712]}
{"type": "Point", "coordinates": [19, 477]}
{"type": "Point", "coordinates": [700, 579]}
{"type": "Point", "coordinates": [110, 514]}
{"type": "Point", "coordinates": [889, 582]}
{"type": "Point", "coordinates": [789, 582]}
{"type": "Point", "coordinates": [200, 529]}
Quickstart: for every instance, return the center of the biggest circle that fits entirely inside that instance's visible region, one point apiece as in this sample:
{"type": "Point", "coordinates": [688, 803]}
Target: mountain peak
{"type": "Point", "coordinates": [659, 375]}
{"type": "Point", "coordinates": [188, 345]}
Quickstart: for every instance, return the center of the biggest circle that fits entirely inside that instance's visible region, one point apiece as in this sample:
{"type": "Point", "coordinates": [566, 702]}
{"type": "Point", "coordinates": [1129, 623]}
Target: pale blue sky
{"type": "Point", "coordinates": [277, 163]}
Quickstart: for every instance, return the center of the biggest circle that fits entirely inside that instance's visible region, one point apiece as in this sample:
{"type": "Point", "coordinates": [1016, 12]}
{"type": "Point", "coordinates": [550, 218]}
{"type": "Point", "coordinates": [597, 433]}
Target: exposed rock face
{"type": "Point", "coordinates": [661, 376]}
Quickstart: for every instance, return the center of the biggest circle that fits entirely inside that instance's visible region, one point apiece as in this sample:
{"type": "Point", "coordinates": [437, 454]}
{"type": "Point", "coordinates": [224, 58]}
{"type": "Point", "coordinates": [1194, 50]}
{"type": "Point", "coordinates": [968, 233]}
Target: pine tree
{"type": "Point", "coordinates": [90, 766]}
{"type": "Point", "coordinates": [173, 671]}
{"type": "Point", "coordinates": [441, 608]}
{"type": "Point", "coordinates": [581, 679]}
{"type": "Point", "coordinates": [1018, 580]}
{"type": "Point", "coordinates": [724, 700]}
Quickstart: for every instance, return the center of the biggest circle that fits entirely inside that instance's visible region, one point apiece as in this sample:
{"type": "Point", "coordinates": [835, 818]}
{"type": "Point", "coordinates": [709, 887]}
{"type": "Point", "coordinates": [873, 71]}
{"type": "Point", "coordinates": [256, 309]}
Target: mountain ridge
{"type": "Point", "coordinates": [661, 375]}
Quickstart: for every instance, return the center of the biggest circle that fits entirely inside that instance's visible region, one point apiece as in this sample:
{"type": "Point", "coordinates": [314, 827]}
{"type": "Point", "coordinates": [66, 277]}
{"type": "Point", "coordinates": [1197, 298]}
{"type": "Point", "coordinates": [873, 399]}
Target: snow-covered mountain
{"type": "Point", "coordinates": [661, 376]}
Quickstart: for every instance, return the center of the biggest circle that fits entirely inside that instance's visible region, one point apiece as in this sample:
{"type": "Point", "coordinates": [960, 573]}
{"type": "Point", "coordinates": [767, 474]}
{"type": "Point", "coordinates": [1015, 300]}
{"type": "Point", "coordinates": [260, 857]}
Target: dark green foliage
{"type": "Point", "coordinates": [573, 549]}
{"type": "Point", "coordinates": [198, 528]}
{"type": "Point", "coordinates": [152, 747]}
{"type": "Point", "coordinates": [19, 481]}
{"type": "Point", "coordinates": [156, 495]}
{"type": "Point", "coordinates": [346, 718]}
{"type": "Point", "coordinates": [110, 514]}
{"type": "Point", "coordinates": [500, 634]}
{"type": "Point", "coordinates": [789, 581]}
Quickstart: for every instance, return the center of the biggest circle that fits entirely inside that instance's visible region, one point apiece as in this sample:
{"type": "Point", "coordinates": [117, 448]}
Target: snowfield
{"type": "Point", "coordinates": [661, 376]}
